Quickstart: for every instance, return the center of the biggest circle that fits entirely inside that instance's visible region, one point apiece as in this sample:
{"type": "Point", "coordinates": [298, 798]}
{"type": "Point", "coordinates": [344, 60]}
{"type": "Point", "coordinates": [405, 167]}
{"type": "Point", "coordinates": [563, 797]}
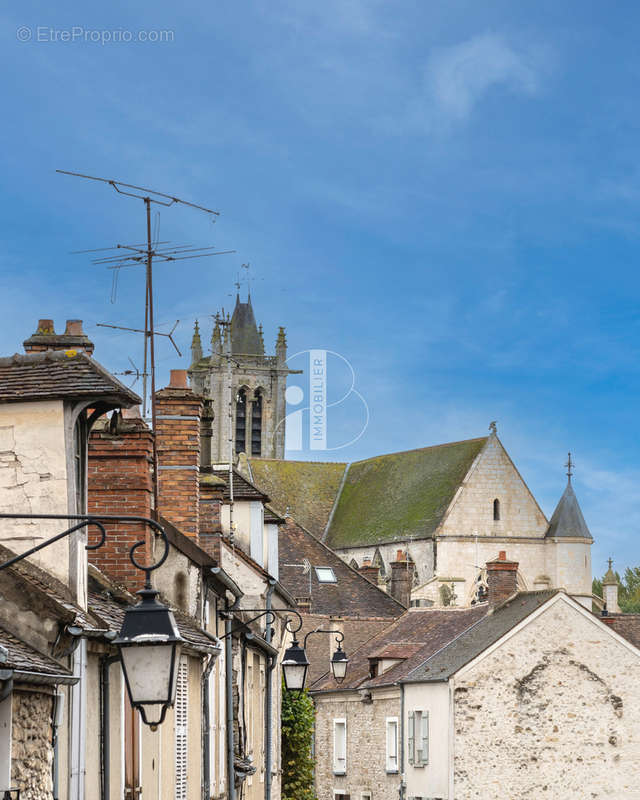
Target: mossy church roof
{"type": "Point", "coordinates": [306, 489]}
{"type": "Point", "coordinates": [388, 498]}
{"type": "Point", "coordinates": [400, 496]}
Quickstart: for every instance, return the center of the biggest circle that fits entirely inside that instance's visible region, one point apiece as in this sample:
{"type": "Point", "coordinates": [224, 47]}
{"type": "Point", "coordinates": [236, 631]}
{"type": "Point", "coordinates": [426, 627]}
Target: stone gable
{"type": "Point", "coordinates": [551, 712]}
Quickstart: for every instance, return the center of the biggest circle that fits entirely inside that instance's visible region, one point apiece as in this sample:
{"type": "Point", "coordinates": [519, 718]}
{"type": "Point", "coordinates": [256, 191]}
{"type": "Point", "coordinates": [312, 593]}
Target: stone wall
{"type": "Point", "coordinates": [32, 751]}
{"type": "Point", "coordinates": [552, 712]}
{"type": "Point", "coordinates": [366, 745]}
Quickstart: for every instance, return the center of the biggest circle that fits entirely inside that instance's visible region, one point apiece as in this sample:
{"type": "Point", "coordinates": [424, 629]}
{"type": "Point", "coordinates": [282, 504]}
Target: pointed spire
{"type": "Point", "coordinates": [216, 339]}
{"type": "Point", "coordinates": [196, 345]}
{"type": "Point", "coordinates": [245, 339]}
{"type": "Point", "coordinates": [281, 345]}
{"type": "Point", "coordinates": [610, 576]}
{"type": "Point", "coordinates": [567, 520]}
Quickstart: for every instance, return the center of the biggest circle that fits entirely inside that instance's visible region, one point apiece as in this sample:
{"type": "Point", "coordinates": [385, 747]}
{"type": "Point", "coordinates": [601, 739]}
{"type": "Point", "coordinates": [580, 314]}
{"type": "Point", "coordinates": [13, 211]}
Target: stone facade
{"type": "Point", "coordinates": [551, 712]}
{"type": "Point", "coordinates": [31, 748]}
{"type": "Point", "coordinates": [366, 745]}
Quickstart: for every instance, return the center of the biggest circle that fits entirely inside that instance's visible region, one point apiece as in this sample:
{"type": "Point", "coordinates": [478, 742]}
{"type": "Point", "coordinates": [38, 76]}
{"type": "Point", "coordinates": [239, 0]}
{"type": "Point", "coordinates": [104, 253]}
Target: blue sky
{"type": "Point", "coordinates": [445, 193]}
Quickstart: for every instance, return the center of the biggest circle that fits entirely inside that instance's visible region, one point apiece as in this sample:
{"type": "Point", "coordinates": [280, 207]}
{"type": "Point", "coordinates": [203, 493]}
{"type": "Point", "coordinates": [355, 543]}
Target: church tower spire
{"type": "Point", "coordinates": [258, 385]}
{"type": "Point", "coordinates": [196, 345]}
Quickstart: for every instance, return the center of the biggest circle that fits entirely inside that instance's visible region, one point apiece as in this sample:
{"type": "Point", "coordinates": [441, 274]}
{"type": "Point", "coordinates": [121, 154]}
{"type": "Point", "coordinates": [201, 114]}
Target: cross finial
{"type": "Point", "coordinates": [493, 427]}
{"type": "Point", "coordinates": [569, 465]}
{"type": "Point", "coordinates": [610, 563]}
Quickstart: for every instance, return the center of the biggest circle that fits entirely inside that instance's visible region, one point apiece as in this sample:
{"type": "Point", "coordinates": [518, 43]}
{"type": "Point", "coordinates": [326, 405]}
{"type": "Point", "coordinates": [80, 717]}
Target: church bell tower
{"type": "Point", "coordinates": [244, 388]}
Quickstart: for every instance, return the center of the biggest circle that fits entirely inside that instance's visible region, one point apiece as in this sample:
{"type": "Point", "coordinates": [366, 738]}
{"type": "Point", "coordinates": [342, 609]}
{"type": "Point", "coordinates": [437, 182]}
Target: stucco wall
{"type": "Point", "coordinates": [432, 779]}
{"type": "Point", "coordinates": [553, 712]}
{"type": "Point", "coordinates": [366, 745]}
{"type": "Point", "coordinates": [31, 748]}
{"type": "Point", "coordinates": [33, 479]}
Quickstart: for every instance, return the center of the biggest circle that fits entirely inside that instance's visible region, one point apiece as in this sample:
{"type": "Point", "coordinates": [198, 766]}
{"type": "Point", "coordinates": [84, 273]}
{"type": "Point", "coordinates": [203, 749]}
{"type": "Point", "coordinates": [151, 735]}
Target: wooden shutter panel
{"type": "Point", "coordinates": [181, 720]}
{"type": "Point", "coordinates": [411, 737]}
{"type": "Point", "coordinates": [425, 737]}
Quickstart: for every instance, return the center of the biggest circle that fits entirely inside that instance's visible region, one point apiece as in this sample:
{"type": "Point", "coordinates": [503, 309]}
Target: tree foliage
{"type": "Point", "coordinates": [297, 736]}
{"type": "Point", "coordinates": [628, 590]}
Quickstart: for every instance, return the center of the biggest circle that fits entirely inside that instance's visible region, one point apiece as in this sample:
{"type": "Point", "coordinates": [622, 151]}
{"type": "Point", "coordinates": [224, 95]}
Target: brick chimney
{"type": "Point", "coordinates": [369, 571]}
{"type": "Point", "coordinates": [119, 481]}
{"type": "Point", "coordinates": [178, 415]}
{"type": "Point", "coordinates": [45, 338]}
{"type": "Point", "coordinates": [401, 579]}
{"type": "Point", "coordinates": [502, 579]}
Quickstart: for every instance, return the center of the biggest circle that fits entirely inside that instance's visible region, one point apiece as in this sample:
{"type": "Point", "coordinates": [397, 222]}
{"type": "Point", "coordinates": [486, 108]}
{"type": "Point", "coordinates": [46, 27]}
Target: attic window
{"type": "Point", "coordinates": [496, 509]}
{"type": "Point", "coordinates": [326, 575]}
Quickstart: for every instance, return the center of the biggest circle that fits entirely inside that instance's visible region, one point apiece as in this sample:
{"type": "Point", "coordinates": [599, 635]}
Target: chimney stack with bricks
{"type": "Point", "coordinates": [401, 579]}
{"type": "Point", "coordinates": [502, 579]}
{"type": "Point", "coordinates": [45, 338]}
{"type": "Point", "coordinates": [178, 417]}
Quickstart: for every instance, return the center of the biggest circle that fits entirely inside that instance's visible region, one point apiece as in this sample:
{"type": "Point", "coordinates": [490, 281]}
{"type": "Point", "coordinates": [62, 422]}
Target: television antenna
{"type": "Point", "coordinates": [144, 254]}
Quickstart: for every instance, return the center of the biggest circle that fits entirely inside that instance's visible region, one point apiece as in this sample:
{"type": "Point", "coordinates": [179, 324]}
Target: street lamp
{"type": "Point", "coordinates": [339, 662]}
{"type": "Point", "coordinates": [149, 646]}
{"type": "Point", "coordinates": [294, 666]}
{"type": "Point", "coordinates": [149, 642]}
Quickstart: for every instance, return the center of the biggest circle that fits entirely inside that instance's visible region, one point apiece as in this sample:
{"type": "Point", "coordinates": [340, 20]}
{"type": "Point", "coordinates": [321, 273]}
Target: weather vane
{"type": "Point", "coordinates": [569, 465]}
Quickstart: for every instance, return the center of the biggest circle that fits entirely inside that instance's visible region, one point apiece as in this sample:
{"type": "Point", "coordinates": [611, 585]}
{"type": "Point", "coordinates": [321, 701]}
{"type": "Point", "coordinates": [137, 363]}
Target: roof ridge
{"type": "Point", "coordinates": [293, 460]}
{"type": "Point", "coordinates": [419, 449]}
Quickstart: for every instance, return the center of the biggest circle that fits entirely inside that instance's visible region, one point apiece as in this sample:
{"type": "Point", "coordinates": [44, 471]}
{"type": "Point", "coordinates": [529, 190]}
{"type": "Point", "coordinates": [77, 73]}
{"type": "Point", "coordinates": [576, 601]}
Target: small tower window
{"type": "Point", "coordinates": [241, 421]}
{"type": "Point", "coordinates": [256, 425]}
{"type": "Point", "coordinates": [496, 509]}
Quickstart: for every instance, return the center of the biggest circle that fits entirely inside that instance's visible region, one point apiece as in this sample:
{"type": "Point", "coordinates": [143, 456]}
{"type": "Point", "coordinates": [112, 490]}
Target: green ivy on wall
{"type": "Point", "coordinates": [297, 735]}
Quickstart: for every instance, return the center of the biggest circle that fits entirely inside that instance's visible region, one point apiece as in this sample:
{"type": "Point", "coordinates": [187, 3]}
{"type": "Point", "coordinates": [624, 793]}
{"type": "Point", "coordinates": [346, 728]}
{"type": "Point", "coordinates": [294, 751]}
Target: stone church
{"type": "Point", "coordinates": [244, 387]}
{"type": "Point", "coordinates": [442, 511]}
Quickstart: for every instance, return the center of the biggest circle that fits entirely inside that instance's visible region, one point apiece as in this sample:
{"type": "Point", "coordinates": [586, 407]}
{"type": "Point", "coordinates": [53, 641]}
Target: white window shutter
{"type": "Point", "coordinates": [425, 737]}
{"type": "Point", "coordinates": [181, 721]}
{"type": "Point", "coordinates": [392, 744]}
{"type": "Point", "coordinates": [340, 746]}
{"type": "Point", "coordinates": [411, 737]}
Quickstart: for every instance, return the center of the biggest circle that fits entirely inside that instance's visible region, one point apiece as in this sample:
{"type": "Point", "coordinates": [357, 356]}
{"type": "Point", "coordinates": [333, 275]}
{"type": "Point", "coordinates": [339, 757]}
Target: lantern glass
{"type": "Point", "coordinates": [151, 672]}
{"type": "Point", "coordinates": [294, 667]}
{"type": "Point", "coordinates": [339, 663]}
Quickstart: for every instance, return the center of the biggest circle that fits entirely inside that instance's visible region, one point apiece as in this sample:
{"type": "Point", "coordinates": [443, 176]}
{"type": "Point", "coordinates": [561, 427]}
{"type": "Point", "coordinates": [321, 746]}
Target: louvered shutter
{"type": "Point", "coordinates": [181, 719]}
{"type": "Point", "coordinates": [424, 733]}
{"type": "Point", "coordinates": [411, 737]}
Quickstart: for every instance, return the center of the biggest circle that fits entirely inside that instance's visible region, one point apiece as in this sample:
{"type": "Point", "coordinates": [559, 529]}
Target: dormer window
{"type": "Point", "coordinates": [496, 510]}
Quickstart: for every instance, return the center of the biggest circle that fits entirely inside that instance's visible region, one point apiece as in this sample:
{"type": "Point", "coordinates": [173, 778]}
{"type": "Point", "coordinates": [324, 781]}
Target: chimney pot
{"type": "Point", "coordinates": [400, 555]}
{"type": "Point", "coordinates": [178, 379]}
{"type": "Point", "coordinates": [502, 555]}
{"type": "Point", "coordinates": [74, 328]}
{"type": "Point", "coordinates": [45, 326]}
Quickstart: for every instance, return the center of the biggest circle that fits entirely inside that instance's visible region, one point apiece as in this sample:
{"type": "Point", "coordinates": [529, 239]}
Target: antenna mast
{"type": "Point", "coordinates": [148, 196]}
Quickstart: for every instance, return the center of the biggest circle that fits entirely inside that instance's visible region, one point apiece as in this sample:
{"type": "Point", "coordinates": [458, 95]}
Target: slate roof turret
{"type": "Point", "coordinates": [567, 520]}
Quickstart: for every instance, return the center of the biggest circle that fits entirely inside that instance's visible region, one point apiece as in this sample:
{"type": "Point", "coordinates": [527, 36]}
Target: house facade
{"type": "Point", "coordinates": [481, 702]}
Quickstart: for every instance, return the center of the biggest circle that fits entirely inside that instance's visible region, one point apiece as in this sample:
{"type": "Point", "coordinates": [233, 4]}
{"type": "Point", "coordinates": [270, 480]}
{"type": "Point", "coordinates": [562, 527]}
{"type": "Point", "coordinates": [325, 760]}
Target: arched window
{"type": "Point", "coordinates": [496, 509]}
{"type": "Point", "coordinates": [241, 422]}
{"type": "Point", "coordinates": [256, 425]}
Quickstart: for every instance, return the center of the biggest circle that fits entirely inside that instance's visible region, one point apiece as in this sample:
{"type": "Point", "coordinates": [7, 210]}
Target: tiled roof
{"type": "Point", "coordinates": [23, 658]}
{"type": "Point", "coordinates": [401, 496]}
{"type": "Point", "coordinates": [243, 489]}
{"type": "Point", "coordinates": [112, 611]}
{"type": "Point", "coordinates": [627, 625]}
{"type": "Point", "coordinates": [567, 519]}
{"type": "Point", "coordinates": [477, 638]}
{"type": "Point", "coordinates": [58, 374]}
{"type": "Point", "coordinates": [307, 490]}
{"type": "Point", "coordinates": [414, 637]}
{"type": "Point", "coordinates": [352, 595]}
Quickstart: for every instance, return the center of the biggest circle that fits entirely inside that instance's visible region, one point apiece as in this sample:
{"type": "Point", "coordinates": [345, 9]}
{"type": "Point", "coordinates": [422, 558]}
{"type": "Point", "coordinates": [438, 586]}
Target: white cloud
{"type": "Point", "coordinates": [460, 75]}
